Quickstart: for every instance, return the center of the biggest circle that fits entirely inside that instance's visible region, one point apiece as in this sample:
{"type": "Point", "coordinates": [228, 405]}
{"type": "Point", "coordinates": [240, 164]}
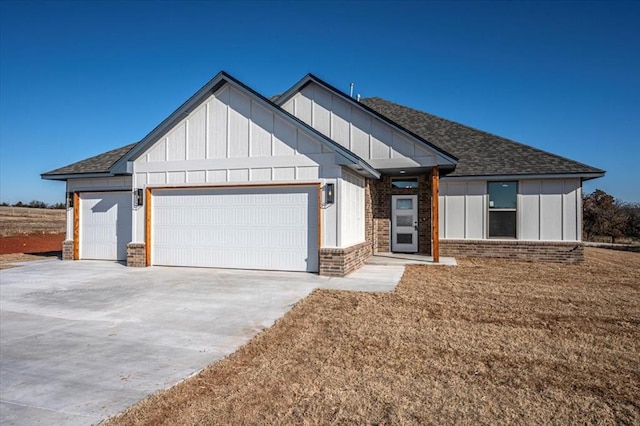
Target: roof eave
{"type": "Point", "coordinates": [67, 176]}
{"type": "Point", "coordinates": [582, 175]}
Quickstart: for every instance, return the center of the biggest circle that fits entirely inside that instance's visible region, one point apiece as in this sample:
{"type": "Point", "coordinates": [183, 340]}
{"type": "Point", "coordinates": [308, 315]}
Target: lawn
{"type": "Point", "coordinates": [489, 341]}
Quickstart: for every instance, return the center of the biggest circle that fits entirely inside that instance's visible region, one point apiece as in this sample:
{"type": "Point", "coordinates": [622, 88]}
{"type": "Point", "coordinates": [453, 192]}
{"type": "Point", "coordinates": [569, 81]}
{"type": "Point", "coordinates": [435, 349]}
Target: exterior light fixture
{"type": "Point", "coordinates": [69, 199]}
{"type": "Point", "coordinates": [138, 197]}
{"type": "Point", "coordinates": [331, 193]}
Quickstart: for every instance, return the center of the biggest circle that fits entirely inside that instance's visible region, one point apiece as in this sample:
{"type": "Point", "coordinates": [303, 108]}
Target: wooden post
{"type": "Point", "coordinates": [76, 226]}
{"type": "Point", "coordinates": [435, 214]}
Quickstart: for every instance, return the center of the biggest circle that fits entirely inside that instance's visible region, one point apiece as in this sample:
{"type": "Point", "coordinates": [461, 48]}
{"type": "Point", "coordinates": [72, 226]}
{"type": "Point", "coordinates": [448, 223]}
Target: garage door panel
{"type": "Point", "coordinates": [246, 228]}
{"type": "Point", "coordinates": [105, 225]}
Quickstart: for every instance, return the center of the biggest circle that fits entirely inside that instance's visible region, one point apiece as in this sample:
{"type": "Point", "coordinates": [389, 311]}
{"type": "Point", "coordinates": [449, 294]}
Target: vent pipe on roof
{"type": "Point", "coordinates": [358, 97]}
{"type": "Point", "coordinates": [351, 89]}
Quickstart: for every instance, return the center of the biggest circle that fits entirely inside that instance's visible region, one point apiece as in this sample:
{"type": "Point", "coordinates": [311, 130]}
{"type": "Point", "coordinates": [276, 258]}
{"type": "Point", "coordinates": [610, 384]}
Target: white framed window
{"type": "Point", "coordinates": [503, 206]}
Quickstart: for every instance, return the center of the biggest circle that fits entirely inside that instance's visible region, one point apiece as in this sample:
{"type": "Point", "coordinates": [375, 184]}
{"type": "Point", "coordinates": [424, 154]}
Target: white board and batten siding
{"type": "Point", "coordinates": [372, 139]}
{"type": "Point", "coordinates": [271, 228]}
{"type": "Point", "coordinates": [548, 209]}
{"type": "Point", "coordinates": [234, 139]}
{"type": "Point", "coordinates": [463, 209]}
{"type": "Point", "coordinates": [351, 210]}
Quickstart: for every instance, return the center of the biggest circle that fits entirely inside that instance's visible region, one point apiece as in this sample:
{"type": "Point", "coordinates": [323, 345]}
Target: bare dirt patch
{"type": "Point", "coordinates": [31, 243]}
{"type": "Point", "coordinates": [30, 234]}
{"type": "Point", "coordinates": [490, 341]}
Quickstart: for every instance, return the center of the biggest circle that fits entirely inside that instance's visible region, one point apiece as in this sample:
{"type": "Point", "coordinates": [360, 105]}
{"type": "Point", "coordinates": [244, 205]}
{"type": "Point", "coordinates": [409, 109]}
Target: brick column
{"type": "Point", "coordinates": [136, 255]}
{"type": "Point", "coordinates": [67, 250]}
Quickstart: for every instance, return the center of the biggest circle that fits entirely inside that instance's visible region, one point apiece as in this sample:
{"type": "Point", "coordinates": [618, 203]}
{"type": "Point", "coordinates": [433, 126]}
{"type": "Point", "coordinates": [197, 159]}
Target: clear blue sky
{"type": "Point", "coordinates": [80, 78]}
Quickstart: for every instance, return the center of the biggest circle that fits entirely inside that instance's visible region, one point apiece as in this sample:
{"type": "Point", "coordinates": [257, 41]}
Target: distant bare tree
{"type": "Point", "coordinates": [632, 229]}
{"type": "Point", "coordinates": [36, 204]}
{"type": "Point", "coordinates": [603, 215]}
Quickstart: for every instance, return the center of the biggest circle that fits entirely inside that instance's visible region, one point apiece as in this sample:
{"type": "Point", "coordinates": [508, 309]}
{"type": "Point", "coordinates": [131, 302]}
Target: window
{"type": "Point", "coordinates": [404, 183]}
{"type": "Point", "coordinates": [503, 199]}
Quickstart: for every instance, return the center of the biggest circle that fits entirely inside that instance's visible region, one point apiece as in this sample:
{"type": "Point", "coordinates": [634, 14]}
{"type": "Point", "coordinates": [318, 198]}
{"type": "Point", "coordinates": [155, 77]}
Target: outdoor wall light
{"type": "Point", "coordinates": [331, 193]}
{"type": "Point", "coordinates": [138, 197]}
{"type": "Point", "coordinates": [69, 199]}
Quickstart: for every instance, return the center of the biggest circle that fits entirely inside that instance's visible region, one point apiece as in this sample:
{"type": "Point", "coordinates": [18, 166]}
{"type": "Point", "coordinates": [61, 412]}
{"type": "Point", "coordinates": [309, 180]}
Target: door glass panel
{"type": "Point", "coordinates": [404, 204]}
{"type": "Point", "coordinates": [404, 220]}
{"type": "Point", "coordinates": [404, 238]}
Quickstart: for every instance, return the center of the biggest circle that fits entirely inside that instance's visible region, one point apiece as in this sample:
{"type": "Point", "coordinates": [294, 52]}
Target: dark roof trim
{"type": "Point", "coordinates": [310, 78]}
{"type": "Point", "coordinates": [583, 176]}
{"type": "Point", "coordinates": [67, 176]}
{"type": "Point", "coordinates": [222, 78]}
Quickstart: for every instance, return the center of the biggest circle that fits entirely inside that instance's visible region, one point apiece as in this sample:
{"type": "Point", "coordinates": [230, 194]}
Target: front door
{"type": "Point", "coordinates": [404, 223]}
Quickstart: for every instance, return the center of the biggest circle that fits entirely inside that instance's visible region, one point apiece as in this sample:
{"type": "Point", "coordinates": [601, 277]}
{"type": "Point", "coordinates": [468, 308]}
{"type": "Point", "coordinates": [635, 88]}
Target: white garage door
{"type": "Point", "coordinates": [105, 225]}
{"type": "Point", "coordinates": [274, 228]}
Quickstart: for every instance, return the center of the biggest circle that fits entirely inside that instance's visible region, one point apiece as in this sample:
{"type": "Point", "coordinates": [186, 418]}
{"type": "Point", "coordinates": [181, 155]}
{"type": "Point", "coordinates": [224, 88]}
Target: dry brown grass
{"type": "Point", "coordinates": [23, 220]}
{"type": "Point", "coordinates": [487, 342]}
{"type": "Point", "coordinates": [9, 260]}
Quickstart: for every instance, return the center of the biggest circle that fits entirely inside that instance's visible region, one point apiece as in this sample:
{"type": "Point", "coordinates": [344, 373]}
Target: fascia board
{"type": "Point", "coordinates": [76, 176]}
{"type": "Point", "coordinates": [583, 176]}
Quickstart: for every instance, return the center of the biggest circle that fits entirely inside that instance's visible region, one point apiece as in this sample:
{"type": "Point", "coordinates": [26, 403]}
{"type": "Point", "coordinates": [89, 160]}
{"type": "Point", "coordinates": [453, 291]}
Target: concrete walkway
{"type": "Point", "coordinates": [81, 341]}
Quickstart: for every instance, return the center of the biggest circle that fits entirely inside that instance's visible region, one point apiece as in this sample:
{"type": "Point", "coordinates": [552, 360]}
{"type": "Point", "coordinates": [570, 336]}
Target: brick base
{"type": "Point", "coordinates": [136, 255]}
{"type": "Point", "coordinates": [67, 250]}
{"type": "Point", "coordinates": [338, 262]}
{"type": "Point", "coordinates": [539, 251]}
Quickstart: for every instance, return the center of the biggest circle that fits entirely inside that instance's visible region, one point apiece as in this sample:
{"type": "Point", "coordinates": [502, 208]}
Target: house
{"type": "Point", "coordinates": [313, 180]}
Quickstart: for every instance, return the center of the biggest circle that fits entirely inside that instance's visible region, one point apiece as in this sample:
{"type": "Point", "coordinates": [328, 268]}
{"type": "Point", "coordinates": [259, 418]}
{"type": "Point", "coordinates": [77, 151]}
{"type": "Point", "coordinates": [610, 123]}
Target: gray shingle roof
{"type": "Point", "coordinates": [97, 164]}
{"type": "Point", "coordinates": [478, 152]}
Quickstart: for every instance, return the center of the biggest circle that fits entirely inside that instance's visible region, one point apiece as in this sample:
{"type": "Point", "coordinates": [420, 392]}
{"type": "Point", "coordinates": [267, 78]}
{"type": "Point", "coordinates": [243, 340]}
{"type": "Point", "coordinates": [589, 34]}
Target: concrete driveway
{"type": "Point", "coordinates": [81, 341]}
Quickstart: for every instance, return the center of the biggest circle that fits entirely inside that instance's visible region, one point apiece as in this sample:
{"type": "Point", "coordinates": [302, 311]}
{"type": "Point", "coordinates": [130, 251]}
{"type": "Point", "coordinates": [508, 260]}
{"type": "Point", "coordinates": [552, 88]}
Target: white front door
{"type": "Point", "coordinates": [404, 223]}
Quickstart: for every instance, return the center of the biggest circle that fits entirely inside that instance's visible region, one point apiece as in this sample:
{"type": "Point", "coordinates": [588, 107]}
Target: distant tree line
{"type": "Point", "coordinates": [606, 217]}
{"type": "Point", "coordinates": [35, 204]}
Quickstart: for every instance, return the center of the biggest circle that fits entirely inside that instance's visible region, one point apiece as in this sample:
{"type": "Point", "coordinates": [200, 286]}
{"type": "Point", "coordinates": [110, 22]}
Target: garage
{"type": "Point", "coordinates": [261, 227]}
{"type": "Point", "coordinates": [105, 225]}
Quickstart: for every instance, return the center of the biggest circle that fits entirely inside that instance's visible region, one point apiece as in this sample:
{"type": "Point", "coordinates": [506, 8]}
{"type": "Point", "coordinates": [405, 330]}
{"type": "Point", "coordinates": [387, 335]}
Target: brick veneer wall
{"type": "Point", "coordinates": [136, 255]}
{"type": "Point", "coordinates": [67, 250]}
{"type": "Point", "coordinates": [339, 262]}
{"type": "Point", "coordinates": [381, 200]}
{"type": "Point", "coordinates": [540, 251]}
